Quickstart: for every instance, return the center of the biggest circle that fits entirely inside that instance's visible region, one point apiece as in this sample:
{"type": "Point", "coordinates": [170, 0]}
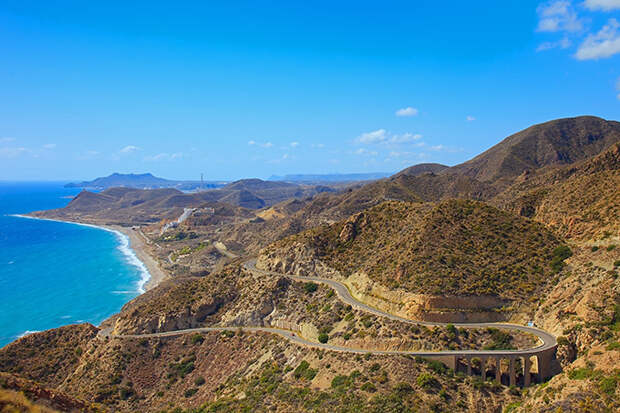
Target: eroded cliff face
{"type": "Point", "coordinates": [299, 259]}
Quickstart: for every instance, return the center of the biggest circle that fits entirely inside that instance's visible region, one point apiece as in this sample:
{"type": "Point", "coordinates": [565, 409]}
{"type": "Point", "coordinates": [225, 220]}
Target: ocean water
{"type": "Point", "coordinates": [55, 273]}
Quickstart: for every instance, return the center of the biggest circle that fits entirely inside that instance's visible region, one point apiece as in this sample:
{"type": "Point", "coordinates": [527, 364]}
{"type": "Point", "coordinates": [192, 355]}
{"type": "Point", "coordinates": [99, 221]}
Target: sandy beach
{"type": "Point", "coordinates": [139, 246]}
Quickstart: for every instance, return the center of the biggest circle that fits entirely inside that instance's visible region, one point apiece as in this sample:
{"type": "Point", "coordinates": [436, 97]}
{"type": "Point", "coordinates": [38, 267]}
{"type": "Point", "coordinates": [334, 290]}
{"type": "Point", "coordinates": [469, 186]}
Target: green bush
{"type": "Point", "coordinates": [580, 373]}
{"type": "Point", "coordinates": [403, 388]}
{"type": "Point", "coordinates": [559, 255]}
{"type": "Point", "coordinates": [500, 340]}
{"type": "Point", "coordinates": [611, 247]}
{"type": "Point", "coordinates": [608, 385]}
{"type": "Point", "coordinates": [594, 248]}
{"type": "Point", "coordinates": [197, 339]}
{"type": "Point", "coordinates": [125, 393]}
{"type": "Point", "coordinates": [310, 287]}
{"type": "Point", "coordinates": [183, 367]}
{"type": "Point", "coordinates": [228, 333]}
{"type": "Point", "coordinates": [199, 381]}
{"type": "Point", "coordinates": [369, 387]}
{"type": "Point", "coordinates": [340, 380]}
{"type": "Point", "coordinates": [303, 371]}
{"type": "Point", "coordinates": [427, 381]}
{"type": "Point", "coordinates": [190, 392]}
{"type": "Point", "coordinates": [323, 337]}
{"type": "Point", "coordinates": [613, 346]}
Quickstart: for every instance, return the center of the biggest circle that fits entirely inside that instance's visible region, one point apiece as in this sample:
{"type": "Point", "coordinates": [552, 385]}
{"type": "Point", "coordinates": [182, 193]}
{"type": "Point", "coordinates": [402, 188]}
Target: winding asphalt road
{"type": "Point", "coordinates": [547, 341]}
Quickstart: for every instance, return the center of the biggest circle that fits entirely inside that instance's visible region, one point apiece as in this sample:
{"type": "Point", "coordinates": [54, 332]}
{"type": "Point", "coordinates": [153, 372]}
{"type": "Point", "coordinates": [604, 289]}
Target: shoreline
{"type": "Point", "coordinates": [133, 242]}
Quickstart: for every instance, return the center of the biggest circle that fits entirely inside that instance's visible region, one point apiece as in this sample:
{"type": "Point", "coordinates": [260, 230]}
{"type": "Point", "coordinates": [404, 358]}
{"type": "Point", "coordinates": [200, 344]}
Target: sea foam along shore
{"type": "Point", "coordinates": [124, 248]}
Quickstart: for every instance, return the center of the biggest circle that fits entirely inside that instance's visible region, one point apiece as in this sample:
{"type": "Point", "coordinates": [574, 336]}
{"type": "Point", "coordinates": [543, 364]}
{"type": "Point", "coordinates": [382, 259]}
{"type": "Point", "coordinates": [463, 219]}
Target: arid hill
{"type": "Point", "coordinates": [454, 247]}
{"type": "Point", "coordinates": [557, 142]}
{"type": "Point", "coordinates": [580, 201]}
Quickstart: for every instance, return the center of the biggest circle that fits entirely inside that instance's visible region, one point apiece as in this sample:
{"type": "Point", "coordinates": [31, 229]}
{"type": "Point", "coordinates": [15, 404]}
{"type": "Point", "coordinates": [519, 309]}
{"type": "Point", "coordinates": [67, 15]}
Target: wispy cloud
{"type": "Point", "coordinates": [382, 136]}
{"type": "Point", "coordinates": [49, 146]}
{"type": "Point", "coordinates": [366, 152]}
{"type": "Point", "coordinates": [603, 44]}
{"type": "Point", "coordinates": [470, 118]}
{"type": "Point", "coordinates": [558, 15]}
{"type": "Point", "coordinates": [9, 153]}
{"type": "Point", "coordinates": [318, 145]}
{"type": "Point", "coordinates": [618, 88]}
{"type": "Point", "coordinates": [129, 149]}
{"type": "Point", "coordinates": [164, 157]}
{"type": "Point", "coordinates": [604, 5]}
{"type": "Point", "coordinates": [407, 112]}
{"type": "Point", "coordinates": [379, 135]}
{"type": "Point", "coordinates": [262, 145]}
{"type": "Point", "coordinates": [563, 43]}
{"type": "Point", "coordinates": [294, 144]}
{"type": "Point", "coordinates": [7, 140]}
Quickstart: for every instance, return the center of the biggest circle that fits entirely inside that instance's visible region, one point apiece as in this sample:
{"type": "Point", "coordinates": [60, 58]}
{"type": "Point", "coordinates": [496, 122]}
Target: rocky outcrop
{"type": "Point", "coordinates": [300, 260]}
{"type": "Point", "coordinates": [187, 318]}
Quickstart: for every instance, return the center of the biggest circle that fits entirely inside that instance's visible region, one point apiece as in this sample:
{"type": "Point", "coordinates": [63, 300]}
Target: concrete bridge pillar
{"type": "Point", "coordinates": [527, 365]}
{"type": "Point", "coordinates": [468, 361]}
{"type": "Point", "coordinates": [483, 368]}
{"type": "Point", "coordinates": [511, 372]}
{"type": "Point", "coordinates": [545, 361]}
{"type": "Point", "coordinates": [498, 370]}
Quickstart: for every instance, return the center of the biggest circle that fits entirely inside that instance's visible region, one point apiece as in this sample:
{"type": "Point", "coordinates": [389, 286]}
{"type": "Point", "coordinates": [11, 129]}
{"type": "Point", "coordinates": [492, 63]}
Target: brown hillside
{"type": "Point", "coordinates": [580, 201]}
{"type": "Point", "coordinates": [422, 168]}
{"type": "Point", "coordinates": [558, 142]}
{"type": "Point", "coordinates": [454, 247]}
{"type": "Point", "coordinates": [47, 357]}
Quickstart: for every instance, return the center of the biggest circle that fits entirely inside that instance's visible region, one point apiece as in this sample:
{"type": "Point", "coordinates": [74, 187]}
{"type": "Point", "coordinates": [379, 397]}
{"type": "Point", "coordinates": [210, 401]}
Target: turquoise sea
{"type": "Point", "coordinates": [55, 273]}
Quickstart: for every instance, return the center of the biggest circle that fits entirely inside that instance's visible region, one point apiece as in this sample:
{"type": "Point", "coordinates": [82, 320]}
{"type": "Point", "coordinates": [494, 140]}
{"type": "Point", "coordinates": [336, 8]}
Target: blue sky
{"type": "Point", "coordinates": [251, 89]}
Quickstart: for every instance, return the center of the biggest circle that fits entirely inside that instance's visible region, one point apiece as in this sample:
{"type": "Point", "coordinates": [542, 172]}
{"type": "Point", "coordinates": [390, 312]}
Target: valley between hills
{"type": "Point", "coordinates": [487, 286]}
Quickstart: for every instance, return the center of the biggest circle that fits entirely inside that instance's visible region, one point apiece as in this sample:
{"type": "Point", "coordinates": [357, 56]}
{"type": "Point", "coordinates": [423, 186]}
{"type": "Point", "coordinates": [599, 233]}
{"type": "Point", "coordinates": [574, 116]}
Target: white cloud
{"type": "Point", "coordinates": [129, 149]}
{"type": "Point", "coordinates": [318, 145]}
{"type": "Point", "coordinates": [618, 88]}
{"type": "Point", "coordinates": [470, 118]}
{"type": "Point", "coordinates": [12, 152]}
{"type": "Point", "coordinates": [382, 136]}
{"type": "Point", "coordinates": [49, 146]}
{"type": "Point", "coordinates": [377, 136]}
{"type": "Point", "coordinates": [407, 112]}
{"type": "Point", "coordinates": [294, 144]}
{"type": "Point", "coordinates": [563, 43]}
{"type": "Point", "coordinates": [263, 145]}
{"type": "Point", "coordinates": [558, 15]}
{"type": "Point", "coordinates": [604, 5]}
{"type": "Point", "coordinates": [438, 148]}
{"type": "Point", "coordinates": [603, 44]}
{"type": "Point", "coordinates": [164, 157]}
{"type": "Point", "coordinates": [364, 151]}
{"type": "Point", "coordinates": [405, 138]}
{"type": "Point", "coordinates": [398, 154]}
{"type": "Point", "coordinates": [6, 140]}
